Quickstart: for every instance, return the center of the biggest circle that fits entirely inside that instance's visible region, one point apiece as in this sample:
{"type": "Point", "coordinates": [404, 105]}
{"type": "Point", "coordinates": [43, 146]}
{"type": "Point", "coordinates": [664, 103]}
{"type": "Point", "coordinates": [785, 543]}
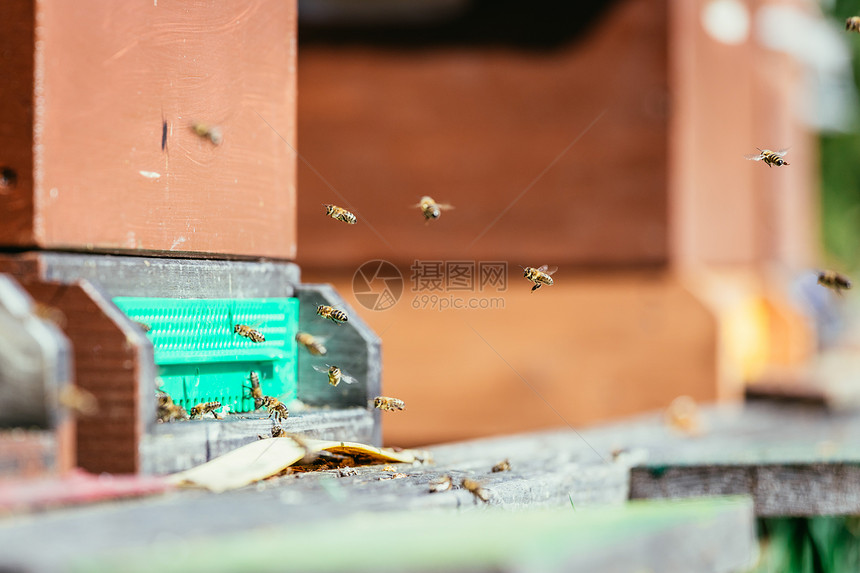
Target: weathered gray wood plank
{"type": "Point", "coordinates": [793, 459]}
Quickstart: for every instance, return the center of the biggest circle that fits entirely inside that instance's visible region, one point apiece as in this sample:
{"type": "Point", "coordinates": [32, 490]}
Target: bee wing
{"type": "Point", "coordinates": [321, 369]}
{"type": "Point", "coordinates": [781, 152]}
{"type": "Point", "coordinates": [445, 206]}
{"type": "Point", "coordinates": [346, 378]}
{"type": "Point", "coordinates": [757, 157]}
{"type": "Point", "coordinates": [319, 339]}
{"type": "Point", "coordinates": [546, 269]}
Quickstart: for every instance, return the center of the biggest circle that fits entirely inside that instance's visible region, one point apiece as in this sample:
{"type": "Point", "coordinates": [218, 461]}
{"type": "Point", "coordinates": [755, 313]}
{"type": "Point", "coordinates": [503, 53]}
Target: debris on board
{"type": "Point", "coordinates": [271, 456]}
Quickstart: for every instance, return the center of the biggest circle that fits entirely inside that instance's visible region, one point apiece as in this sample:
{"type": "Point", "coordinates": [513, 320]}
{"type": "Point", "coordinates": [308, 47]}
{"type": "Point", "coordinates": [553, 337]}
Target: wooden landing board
{"type": "Point", "coordinates": [793, 460]}
{"type": "Point", "coordinates": [712, 535]}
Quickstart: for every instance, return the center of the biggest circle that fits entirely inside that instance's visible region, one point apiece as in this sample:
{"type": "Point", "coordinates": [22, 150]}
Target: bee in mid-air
{"type": "Point", "coordinates": [203, 408]}
{"type": "Point", "coordinates": [167, 410]}
{"type": "Point", "coordinates": [340, 214]}
{"type": "Point", "coordinates": [249, 333]}
{"type": "Point", "coordinates": [277, 410]}
{"type": "Point", "coordinates": [539, 276]}
{"type": "Point", "coordinates": [683, 416]}
{"type": "Point", "coordinates": [475, 489]}
{"type": "Point", "coordinates": [50, 313]}
{"type": "Point", "coordinates": [81, 402]}
{"type": "Point", "coordinates": [387, 403]}
{"type": "Point", "coordinates": [313, 343]}
{"type": "Point", "coordinates": [852, 24]}
{"type": "Point", "coordinates": [834, 281]}
{"type": "Point", "coordinates": [336, 375]}
{"type": "Point", "coordinates": [443, 483]}
{"type": "Point", "coordinates": [335, 315]}
{"type": "Point", "coordinates": [210, 132]}
{"type": "Point", "coordinates": [431, 209]}
{"type": "Point", "coordinates": [769, 157]}
{"type": "Point", "coordinates": [502, 466]}
{"type": "Point", "coordinates": [143, 326]}
{"type": "Point", "coordinates": [254, 390]}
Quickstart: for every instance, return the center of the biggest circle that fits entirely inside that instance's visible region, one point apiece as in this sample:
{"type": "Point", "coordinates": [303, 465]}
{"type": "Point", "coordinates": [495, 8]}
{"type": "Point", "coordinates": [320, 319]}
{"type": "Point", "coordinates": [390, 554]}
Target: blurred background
{"type": "Point", "coordinates": [606, 138]}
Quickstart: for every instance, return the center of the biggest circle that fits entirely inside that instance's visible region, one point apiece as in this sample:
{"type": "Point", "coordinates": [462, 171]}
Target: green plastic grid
{"type": "Point", "coordinates": [201, 359]}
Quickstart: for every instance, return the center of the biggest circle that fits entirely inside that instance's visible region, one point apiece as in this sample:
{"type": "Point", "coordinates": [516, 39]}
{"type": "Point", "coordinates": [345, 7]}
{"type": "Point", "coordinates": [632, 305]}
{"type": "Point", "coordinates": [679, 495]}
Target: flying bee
{"type": "Point", "coordinates": [502, 466]}
{"type": "Point", "coordinates": [210, 132]}
{"type": "Point", "coordinates": [277, 410]}
{"type": "Point", "coordinates": [167, 410]}
{"type": "Point", "coordinates": [475, 489]}
{"type": "Point", "coordinates": [204, 408]}
{"type": "Point", "coordinates": [431, 209]}
{"type": "Point", "coordinates": [143, 326]}
{"type": "Point", "coordinates": [769, 157]}
{"type": "Point", "coordinates": [339, 214]}
{"type": "Point", "coordinates": [249, 333]}
{"type": "Point", "coordinates": [335, 315]}
{"type": "Point", "coordinates": [834, 281]}
{"type": "Point", "coordinates": [78, 400]}
{"type": "Point", "coordinates": [313, 343]}
{"type": "Point", "coordinates": [443, 483]}
{"type": "Point", "coordinates": [387, 403]}
{"type": "Point", "coordinates": [852, 24]}
{"type": "Point", "coordinates": [336, 375]}
{"type": "Point", "coordinates": [255, 391]}
{"type": "Point", "coordinates": [539, 276]}
{"type": "Point", "coordinates": [50, 313]}
{"type": "Point", "coordinates": [683, 415]}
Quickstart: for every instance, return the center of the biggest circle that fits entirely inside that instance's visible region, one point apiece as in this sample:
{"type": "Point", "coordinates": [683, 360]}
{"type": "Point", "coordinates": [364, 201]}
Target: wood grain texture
{"type": "Point", "coordinates": [97, 125]}
{"type": "Point", "coordinates": [17, 115]}
{"type": "Point", "coordinates": [111, 358]}
{"type": "Point", "coordinates": [793, 460]}
{"type": "Point", "coordinates": [548, 471]}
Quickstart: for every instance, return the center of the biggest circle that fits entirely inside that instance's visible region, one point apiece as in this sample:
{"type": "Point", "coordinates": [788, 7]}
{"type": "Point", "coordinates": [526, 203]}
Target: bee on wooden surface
{"type": "Point", "coordinates": [502, 466]}
{"type": "Point", "coordinates": [539, 276]}
{"type": "Point", "coordinates": [475, 489]}
{"type": "Point", "coordinates": [335, 315]}
{"type": "Point", "coordinates": [683, 416]}
{"type": "Point", "coordinates": [249, 333]}
{"type": "Point", "coordinates": [769, 157]}
{"type": "Point", "coordinates": [278, 432]}
{"type": "Point", "coordinates": [255, 391]}
{"type": "Point", "coordinates": [388, 403]}
{"type": "Point", "coordinates": [204, 408]}
{"type": "Point", "coordinates": [336, 375]}
{"type": "Point", "coordinates": [443, 483]}
{"type": "Point", "coordinates": [852, 24]}
{"type": "Point", "coordinates": [431, 209]}
{"type": "Point", "coordinates": [167, 410]}
{"type": "Point", "coordinates": [312, 343]}
{"type": "Point", "coordinates": [210, 132]}
{"type": "Point", "coordinates": [834, 281]}
{"type": "Point", "coordinates": [277, 410]}
{"type": "Point", "coordinates": [339, 214]}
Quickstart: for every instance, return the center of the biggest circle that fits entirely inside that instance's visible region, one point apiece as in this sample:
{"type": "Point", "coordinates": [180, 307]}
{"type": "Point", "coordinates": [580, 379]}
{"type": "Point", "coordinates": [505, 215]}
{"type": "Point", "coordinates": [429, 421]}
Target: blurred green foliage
{"type": "Point", "coordinates": [809, 545]}
{"type": "Point", "coordinates": [840, 168]}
